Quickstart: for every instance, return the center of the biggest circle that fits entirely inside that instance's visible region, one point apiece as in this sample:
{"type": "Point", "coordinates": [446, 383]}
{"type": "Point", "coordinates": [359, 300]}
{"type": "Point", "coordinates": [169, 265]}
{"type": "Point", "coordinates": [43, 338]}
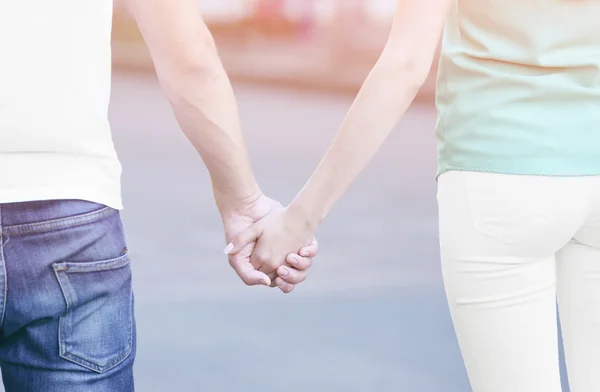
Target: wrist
{"type": "Point", "coordinates": [307, 216]}
{"type": "Point", "coordinates": [235, 201]}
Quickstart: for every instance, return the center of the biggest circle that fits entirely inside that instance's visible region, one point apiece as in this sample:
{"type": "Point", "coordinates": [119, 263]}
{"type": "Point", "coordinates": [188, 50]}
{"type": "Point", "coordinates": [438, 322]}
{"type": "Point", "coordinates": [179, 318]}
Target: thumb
{"type": "Point", "coordinates": [247, 273]}
{"type": "Point", "coordinates": [258, 278]}
{"type": "Point", "coordinates": [246, 237]}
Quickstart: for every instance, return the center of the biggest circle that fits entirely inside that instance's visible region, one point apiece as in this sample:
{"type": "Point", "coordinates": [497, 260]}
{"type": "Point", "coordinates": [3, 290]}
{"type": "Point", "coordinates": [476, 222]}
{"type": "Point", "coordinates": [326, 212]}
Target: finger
{"type": "Point", "coordinates": [299, 262]}
{"type": "Point", "coordinates": [284, 286]}
{"type": "Point", "coordinates": [240, 241]}
{"type": "Point", "coordinates": [310, 250]}
{"type": "Point", "coordinates": [291, 275]}
{"type": "Point", "coordinates": [248, 274]}
{"type": "Point", "coordinates": [265, 261]}
{"type": "Point", "coordinates": [262, 260]}
{"type": "Point", "coordinates": [272, 276]}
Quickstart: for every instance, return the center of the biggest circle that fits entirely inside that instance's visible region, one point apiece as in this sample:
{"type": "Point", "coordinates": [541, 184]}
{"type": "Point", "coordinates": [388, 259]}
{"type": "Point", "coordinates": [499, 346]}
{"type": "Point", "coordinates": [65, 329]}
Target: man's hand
{"type": "Point", "coordinates": [272, 239]}
{"type": "Point", "coordinates": [293, 267]}
{"type": "Point", "coordinates": [191, 74]}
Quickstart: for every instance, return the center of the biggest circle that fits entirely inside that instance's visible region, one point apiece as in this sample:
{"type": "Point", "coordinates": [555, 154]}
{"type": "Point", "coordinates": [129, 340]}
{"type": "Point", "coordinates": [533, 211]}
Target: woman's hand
{"type": "Point", "coordinates": [296, 270]}
{"type": "Point", "coordinates": [278, 236]}
{"type": "Point", "coordinates": [237, 220]}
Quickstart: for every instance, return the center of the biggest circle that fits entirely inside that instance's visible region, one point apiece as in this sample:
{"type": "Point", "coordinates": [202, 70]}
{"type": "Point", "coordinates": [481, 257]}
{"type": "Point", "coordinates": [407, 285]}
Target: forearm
{"type": "Point", "coordinates": [385, 95]}
{"type": "Point", "coordinates": [191, 74]}
{"type": "Point", "coordinates": [205, 107]}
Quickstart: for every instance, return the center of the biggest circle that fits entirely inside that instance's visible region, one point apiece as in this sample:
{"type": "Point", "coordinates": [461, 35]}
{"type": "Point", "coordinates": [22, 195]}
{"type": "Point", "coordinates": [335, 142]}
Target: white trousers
{"type": "Point", "coordinates": [511, 246]}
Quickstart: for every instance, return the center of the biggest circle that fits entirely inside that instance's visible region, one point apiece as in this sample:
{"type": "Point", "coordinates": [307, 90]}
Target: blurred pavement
{"type": "Point", "coordinates": [372, 317]}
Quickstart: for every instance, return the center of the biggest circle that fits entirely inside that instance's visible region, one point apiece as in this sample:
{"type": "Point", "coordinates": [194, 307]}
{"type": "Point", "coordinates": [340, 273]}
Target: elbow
{"type": "Point", "coordinates": [192, 53]}
{"type": "Point", "coordinates": [183, 81]}
{"type": "Point", "coordinates": [202, 58]}
{"type": "Point", "coordinates": [413, 72]}
{"type": "Point", "coordinates": [195, 70]}
{"type": "Point", "coordinates": [411, 68]}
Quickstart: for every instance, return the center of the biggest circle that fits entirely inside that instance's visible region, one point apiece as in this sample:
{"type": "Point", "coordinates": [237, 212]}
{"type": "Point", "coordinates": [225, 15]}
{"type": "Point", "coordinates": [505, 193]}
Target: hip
{"type": "Point", "coordinates": [487, 213]}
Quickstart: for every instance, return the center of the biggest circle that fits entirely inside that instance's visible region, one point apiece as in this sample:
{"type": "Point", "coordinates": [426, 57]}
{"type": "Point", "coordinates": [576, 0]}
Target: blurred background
{"type": "Point", "coordinates": [325, 45]}
{"type": "Point", "coordinates": [372, 316]}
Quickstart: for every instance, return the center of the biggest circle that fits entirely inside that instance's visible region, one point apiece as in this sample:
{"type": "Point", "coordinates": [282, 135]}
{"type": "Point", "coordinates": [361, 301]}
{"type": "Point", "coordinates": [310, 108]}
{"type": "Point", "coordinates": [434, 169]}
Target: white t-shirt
{"type": "Point", "coordinates": [55, 68]}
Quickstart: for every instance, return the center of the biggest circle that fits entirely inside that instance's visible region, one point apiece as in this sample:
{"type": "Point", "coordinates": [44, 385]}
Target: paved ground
{"type": "Point", "coordinates": [372, 317]}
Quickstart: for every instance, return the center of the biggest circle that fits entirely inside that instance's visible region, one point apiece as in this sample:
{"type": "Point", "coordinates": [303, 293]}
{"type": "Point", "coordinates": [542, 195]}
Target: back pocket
{"type": "Point", "coordinates": [96, 331]}
{"type": "Point", "coordinates": [509, 208]}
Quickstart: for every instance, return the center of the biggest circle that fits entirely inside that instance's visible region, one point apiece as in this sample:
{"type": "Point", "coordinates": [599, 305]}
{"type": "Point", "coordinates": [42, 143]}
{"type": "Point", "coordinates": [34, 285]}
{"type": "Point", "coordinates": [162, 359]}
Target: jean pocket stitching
{"type": "Point", "coordinates": [61, 270]}
{"type": "Point", "coordinates": [94, 266]}
{"type": "Point", "coordinates": [93, 366]}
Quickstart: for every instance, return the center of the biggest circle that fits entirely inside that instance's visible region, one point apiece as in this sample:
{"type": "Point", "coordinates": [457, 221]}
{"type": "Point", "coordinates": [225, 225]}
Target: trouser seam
{"type": "Point", "coordinates": [3, 266]}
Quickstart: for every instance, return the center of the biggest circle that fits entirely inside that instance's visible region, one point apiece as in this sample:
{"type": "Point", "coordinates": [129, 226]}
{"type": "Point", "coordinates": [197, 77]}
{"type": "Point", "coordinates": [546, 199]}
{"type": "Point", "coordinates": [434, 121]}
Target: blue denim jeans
{"type": "Point", "coordinates": [66, 301]}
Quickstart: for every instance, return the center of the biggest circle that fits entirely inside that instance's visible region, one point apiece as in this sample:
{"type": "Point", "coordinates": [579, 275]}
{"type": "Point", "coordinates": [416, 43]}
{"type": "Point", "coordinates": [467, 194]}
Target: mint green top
{"type": "Point", "coordinates": [518, 88]}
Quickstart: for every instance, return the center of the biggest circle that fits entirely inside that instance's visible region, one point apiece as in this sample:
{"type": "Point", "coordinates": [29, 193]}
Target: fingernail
{"type": "Point", "coordinates": [283, 271]}
{"type": "Point", "coordinates": [265, 282]}
{"type": "Point", "coordinates": [303, 252]}
{"type": "Point", "coordinates": [228, 249]}
{"type": "Point", "coordinates": [294, 260]}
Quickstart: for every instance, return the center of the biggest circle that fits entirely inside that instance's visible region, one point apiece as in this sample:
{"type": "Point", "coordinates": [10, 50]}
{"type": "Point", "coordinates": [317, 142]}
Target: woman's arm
{"type": "Point", "coordinates": [384, 97]}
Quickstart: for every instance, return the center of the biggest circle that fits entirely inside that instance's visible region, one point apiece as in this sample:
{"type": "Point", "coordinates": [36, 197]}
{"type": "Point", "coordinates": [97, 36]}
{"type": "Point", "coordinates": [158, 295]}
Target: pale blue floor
{"type": "Point", "coordinates": [400, 340]}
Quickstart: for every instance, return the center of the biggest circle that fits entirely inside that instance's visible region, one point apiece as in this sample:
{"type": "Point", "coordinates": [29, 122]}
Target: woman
{"type": "Point", "coordinates": [518, 182]}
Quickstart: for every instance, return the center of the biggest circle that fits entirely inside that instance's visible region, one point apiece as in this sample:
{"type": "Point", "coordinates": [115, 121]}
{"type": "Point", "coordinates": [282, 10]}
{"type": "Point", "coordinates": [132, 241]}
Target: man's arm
{"type": "Point", "coordinates": [191, 74]}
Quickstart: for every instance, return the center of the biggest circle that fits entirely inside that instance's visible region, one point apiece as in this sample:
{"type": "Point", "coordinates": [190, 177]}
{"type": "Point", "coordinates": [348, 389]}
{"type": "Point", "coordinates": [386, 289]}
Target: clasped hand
{"type": "Point", "coordinates": [269, 245]}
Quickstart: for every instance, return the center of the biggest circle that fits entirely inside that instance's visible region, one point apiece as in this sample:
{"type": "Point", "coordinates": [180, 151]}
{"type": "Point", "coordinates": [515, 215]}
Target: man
{"type": "Point", "coordinates": [66, 306]}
